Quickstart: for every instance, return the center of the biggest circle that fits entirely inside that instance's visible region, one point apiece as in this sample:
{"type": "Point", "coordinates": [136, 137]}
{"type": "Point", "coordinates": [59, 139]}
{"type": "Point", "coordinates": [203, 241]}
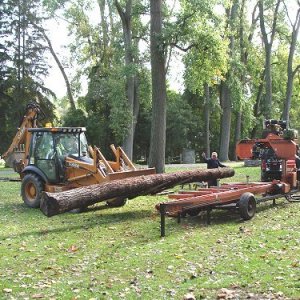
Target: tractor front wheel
{"type": "Point", "coordinates": [31, 190]}
{"type": "Point", "coordinates": [247, 206]}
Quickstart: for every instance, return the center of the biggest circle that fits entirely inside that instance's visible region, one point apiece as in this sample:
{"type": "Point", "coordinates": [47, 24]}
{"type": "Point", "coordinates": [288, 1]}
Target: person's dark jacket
{"type": "Point", "coordinates": [213, 163]}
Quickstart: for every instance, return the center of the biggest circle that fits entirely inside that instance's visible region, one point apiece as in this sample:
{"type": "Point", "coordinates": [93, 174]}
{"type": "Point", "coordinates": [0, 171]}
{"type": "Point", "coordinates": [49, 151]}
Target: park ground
{"type": "Point", "coordinates": [119, 254]}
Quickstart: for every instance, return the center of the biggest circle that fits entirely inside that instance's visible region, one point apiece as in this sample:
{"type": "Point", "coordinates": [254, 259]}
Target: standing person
{"type": "Point", "coordinates": [212, 163]}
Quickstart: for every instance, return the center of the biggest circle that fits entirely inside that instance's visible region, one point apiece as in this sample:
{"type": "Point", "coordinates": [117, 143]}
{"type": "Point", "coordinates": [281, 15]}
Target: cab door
{"type": "Point", "coordinates": [43, 155]}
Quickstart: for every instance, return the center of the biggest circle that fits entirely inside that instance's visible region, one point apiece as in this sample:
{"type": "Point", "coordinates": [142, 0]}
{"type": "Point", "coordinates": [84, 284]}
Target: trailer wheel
{"type": "Point", "coordinates": [31, 190]}
{"type": "Point", "coordinates": [247, 206]}
{"type": "Point", "coordinates": [116, 202]}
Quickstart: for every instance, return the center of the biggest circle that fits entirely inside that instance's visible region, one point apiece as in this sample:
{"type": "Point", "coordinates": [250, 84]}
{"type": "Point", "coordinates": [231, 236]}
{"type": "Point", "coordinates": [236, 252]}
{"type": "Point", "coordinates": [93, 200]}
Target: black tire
{"type": "Point", "coordinates": [116, 202]}
{"type": "Point", "coordinates": [31, 190]}
{"type": "Point", "coordinates": [247, 206]}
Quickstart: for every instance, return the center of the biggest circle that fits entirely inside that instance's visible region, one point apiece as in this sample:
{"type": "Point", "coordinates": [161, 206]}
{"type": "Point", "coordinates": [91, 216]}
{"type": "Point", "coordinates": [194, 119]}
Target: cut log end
{"type": "Point", "coordinates": [49, 206]}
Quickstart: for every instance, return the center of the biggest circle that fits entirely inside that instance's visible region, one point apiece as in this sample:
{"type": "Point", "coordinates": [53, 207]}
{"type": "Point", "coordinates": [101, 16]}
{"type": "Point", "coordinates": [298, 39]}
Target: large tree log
{"type": "Point", "coordinates": [56, 203]}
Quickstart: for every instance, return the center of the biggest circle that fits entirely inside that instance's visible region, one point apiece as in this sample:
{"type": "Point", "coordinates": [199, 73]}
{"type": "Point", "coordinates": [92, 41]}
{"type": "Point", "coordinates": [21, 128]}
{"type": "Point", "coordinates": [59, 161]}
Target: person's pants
{"type": "Point", "coordinates": [212, 183]}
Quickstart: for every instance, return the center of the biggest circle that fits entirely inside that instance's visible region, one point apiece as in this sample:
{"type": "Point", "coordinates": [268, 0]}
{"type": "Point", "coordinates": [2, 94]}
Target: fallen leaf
{"type": "Point", "coordinates": [189, 296]}
{"type": "Point", "coordinates": [73, 248]}
{"type": "Point", "coordinates": [6, 290]}
{"type": "Point", "coordinates": [37, 296]}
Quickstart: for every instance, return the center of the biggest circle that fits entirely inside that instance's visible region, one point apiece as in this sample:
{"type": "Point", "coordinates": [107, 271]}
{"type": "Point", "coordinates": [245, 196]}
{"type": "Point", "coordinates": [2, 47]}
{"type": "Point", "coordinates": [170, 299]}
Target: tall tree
{"type": "Point", "coordinates": [291, 70]}
{"type": "Point", "coordinates": [268, 40]}
{"type": "Point", "coordinates": [158, 128]}
{"type": "Point", "coordinates": [207, 118]}
{"type": "Point", "coordinates": [126, 17]}
{"type": "Point", "coordinates": [225, 88]}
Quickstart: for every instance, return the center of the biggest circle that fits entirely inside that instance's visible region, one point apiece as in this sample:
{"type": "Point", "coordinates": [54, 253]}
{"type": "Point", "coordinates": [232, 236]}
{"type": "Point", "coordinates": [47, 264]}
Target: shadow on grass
{"type": "Point", "coordinates": [83, 220]}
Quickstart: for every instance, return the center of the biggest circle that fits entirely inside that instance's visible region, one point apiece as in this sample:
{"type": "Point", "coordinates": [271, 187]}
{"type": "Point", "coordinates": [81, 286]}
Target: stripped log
{"type": "Point", "coordinates": [56, 203]}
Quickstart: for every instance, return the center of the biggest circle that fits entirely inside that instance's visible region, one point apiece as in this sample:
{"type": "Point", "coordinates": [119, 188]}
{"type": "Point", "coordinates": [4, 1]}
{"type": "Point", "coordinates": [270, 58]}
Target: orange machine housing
{"type": "Point", "coordinates": [284, 149]}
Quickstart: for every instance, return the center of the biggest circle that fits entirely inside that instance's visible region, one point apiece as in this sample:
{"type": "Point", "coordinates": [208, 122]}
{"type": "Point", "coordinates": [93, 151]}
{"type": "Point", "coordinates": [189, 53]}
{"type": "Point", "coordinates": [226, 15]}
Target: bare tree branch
{"type": "Point", "coordinates": [287, 13]}
{"type": "Point", "coordinates": [275, 21]}
{"type": "Point", "coordinates": [168, 60]}
{"type": "Point", "coordinates": [60, 66]}
{"type": "Point", "coordinates": [297, 69]}
{"type": "Point", "coordinates": [181, 48]}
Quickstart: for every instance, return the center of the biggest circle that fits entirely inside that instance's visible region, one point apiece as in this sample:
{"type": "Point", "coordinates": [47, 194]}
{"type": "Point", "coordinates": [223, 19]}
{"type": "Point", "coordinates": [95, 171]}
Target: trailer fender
{"type": "Point", "coordinates": [37, 171]}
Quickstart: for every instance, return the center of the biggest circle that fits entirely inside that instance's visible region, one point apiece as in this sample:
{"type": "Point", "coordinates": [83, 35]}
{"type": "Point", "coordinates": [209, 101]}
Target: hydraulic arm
{"type": "Point", "coordinates": [19, 142]}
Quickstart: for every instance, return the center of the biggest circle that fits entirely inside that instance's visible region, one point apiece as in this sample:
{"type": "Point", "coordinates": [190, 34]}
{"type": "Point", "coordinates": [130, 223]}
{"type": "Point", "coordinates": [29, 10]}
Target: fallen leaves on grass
{"type": "Point", "coordinates": [37, 296]}
{"type": "Point", "coordinates": [189, 296]}
{"type": "Point", "coordinates": [73, 249]}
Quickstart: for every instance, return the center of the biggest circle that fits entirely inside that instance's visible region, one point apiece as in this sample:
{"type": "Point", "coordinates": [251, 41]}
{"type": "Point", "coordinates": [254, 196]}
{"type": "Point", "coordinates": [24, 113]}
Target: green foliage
{"type": "Point", "coordinates": [74, 118]}
{"type": "Point", "coordinates": [181, 125]}
{"type": "Point", "coordinates": [141, 143]}
{"type": "Point", "coordinates": [206, 63]}
{"type": "Point", "coordinates": [22, 66]}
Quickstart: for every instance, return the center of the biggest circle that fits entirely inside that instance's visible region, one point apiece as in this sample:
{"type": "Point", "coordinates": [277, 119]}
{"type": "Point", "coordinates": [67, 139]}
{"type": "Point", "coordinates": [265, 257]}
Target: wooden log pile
{"type": "Point", "coordinates": [57, 203]}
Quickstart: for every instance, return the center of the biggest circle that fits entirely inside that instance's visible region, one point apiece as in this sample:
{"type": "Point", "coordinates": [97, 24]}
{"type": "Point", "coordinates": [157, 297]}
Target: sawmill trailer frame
{"type": "Point", "coordinates": [243, 197]}
{"type": "Point", "coordinates": [277, 150]}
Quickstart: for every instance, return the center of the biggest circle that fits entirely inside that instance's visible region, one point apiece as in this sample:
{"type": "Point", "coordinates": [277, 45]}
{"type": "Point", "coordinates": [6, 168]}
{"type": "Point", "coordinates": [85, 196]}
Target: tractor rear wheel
{"type": "Point", "coordinates": [116, 202]}
{"type": "Point", "coordinates": [247, 206]}
{"type": "Point", "coordinates": [31, 190]}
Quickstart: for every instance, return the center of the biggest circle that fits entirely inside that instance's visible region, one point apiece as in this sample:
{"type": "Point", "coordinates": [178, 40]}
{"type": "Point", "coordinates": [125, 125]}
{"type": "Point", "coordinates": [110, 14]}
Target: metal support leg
{"type": "Point", "coordinates": [247, 179]}
{"type": "Point", "coordinates": [208, 211]}
{"type": "Point", "coordinates": [274, 202]}
{"type": "Point", "coordinates": [162, 209]}
{"type": "Point", "coordinates": [179, 218]}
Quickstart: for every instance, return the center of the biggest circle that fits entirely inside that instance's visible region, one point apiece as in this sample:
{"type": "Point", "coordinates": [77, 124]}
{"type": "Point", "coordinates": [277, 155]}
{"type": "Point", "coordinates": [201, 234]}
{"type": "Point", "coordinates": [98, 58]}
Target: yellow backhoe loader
{"type": "Point", "coordinates": [56, 159]}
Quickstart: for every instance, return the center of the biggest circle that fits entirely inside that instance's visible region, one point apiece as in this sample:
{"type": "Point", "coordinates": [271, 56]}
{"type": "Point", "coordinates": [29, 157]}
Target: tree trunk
{"type": "Point", "coordinates": [290, 72]}
{"type": "Point", "coordinates": [103, 23]}
{"type": "Point", "coordinates": [269, 96]}
{"type": "Point", "coordinates": [225, 93]}
{"type": "Point", "coordinates": [158, 125]}
{"type": "Point", "coordinates": [225, 122]}
{"type": "Point", "coordinates": [207, 119]}
{"type": "Point", "coordinates": [257, 106]}
{"type": "Point", "coordinates": [56, 203]}
{"type": "Point", "coordinates": [127, 35]}
{"type": "Point", "coordinates": [238, 130]}
{"type": "Point", "coordinates": [268, 53]}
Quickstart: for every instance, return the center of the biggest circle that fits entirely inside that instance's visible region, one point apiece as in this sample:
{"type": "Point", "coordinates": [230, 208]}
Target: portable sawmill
{"type": "Point", "coordinates": [277, 150]}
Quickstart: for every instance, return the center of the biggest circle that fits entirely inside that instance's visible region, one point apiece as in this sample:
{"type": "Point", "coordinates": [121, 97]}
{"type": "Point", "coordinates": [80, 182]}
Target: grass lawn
{"type": "Point", "coordinates": [118, 253]}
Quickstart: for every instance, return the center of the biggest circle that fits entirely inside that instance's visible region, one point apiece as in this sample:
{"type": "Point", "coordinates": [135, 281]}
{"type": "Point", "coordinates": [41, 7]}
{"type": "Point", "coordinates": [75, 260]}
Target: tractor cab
{"type": "Point", "coordinates": [49, 148]}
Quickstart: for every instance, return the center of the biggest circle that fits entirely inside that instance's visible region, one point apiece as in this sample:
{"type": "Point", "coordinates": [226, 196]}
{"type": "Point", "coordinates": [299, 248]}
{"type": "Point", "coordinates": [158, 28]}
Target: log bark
{"type": "Point", "coordinates": [57, 203]}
